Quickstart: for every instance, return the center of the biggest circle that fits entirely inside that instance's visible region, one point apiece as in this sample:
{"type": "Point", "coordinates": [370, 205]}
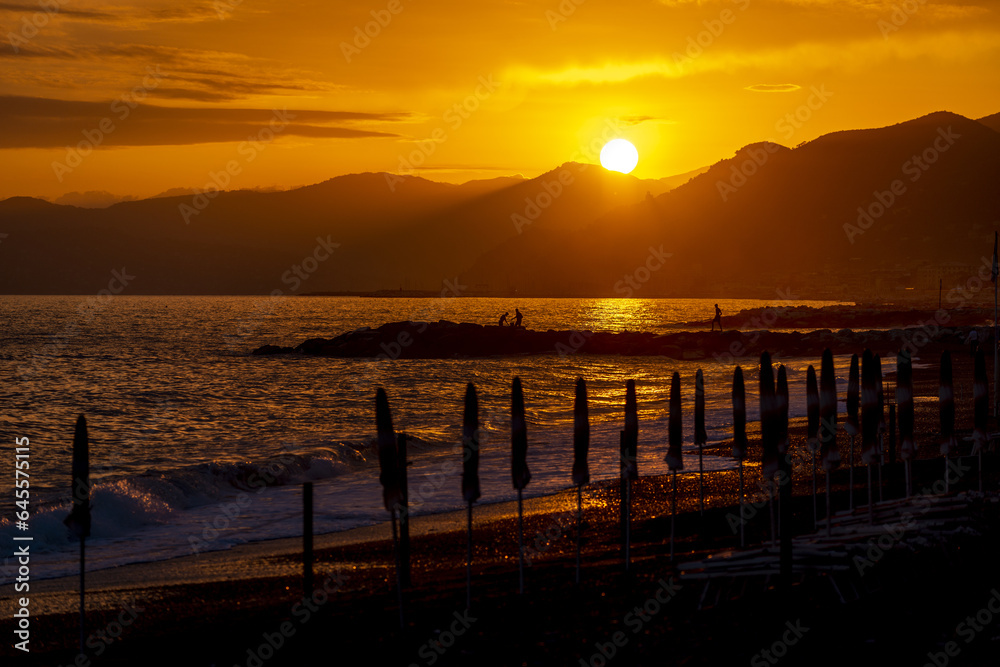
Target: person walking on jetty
{"type": "Point", "coordinates": [517, 318]}
{"type": "Point", "coordinates": [718, 318]}
{"type": "Point", "coordinates": [973, 342]}
{"type": "Point", "coordinates": [503, 319]}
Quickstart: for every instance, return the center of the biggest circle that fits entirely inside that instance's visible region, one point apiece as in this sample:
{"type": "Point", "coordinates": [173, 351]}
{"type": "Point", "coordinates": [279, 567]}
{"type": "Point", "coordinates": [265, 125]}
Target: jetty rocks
{"type": "Point", "coordinates": [450, 340]}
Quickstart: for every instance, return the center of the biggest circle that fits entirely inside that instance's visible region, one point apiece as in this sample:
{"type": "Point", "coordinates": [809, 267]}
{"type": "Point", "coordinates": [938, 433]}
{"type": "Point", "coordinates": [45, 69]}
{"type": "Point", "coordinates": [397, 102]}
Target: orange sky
{"type": "Point", "coordinates": [286, 94]}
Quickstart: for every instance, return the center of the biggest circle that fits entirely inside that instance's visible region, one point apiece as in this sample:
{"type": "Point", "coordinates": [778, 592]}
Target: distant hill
{"type": "Point", "coordinates": [767, 218]}
{"type": "Point", "coordinates": [992, 122]}
{"type": "Point", "coordinates": [393, 231]}
{"type": "Point", "coordinates": [772, 217]}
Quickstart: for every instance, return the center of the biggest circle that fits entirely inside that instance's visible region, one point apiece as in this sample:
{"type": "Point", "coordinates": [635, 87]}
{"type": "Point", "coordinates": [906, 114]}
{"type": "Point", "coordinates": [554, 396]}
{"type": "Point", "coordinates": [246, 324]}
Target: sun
{"type": "Point", "coordinates": [619, 155]}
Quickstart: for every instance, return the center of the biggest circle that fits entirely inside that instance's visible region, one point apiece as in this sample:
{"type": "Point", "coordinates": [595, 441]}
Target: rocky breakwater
{"type": "Point", "coordinates": [447, 340]}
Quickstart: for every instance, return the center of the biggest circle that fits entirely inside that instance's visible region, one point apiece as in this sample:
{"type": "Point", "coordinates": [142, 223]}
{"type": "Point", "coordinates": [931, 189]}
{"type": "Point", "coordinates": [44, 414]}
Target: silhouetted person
{"type": "Point", "coordinates": [718, 318]}
{"type": "Point", "coordinates": [517, 317]}
{"type": "Point", "coordinates": [503, 318]}
{"type": "Point", "coordinates": [973, 342]}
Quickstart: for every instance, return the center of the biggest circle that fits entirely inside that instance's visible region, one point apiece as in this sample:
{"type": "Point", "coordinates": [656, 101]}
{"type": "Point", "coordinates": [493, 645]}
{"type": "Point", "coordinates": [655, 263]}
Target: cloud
{"type": "Point", "coordinates": [31, 122]}
{"type": "Point", "coordinates": [194, 74]}
{"type": "Point", "coordinates": [136, 17]}
{"type": "Point", "coordinates": [858, 54]}
{"type": "Point", "coordinates": [636, 120]}
{"type": "Point", "coordinates": [20, 8]}
{"type": "Point", "coordinates": [773, 87]}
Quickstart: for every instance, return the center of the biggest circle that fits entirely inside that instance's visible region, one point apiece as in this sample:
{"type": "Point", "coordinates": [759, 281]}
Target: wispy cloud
{"type": "Point", "coordinates": [636, 120]}
{"type": "Point", "coordinates": [130, 17]}
{"type": "Point", "coordinates": [773, 87]}
{"type": "Point", "coordinates": [23, 8]}
{"type": "Point", "coordinates": [31, 122]}
{"type": "Point", "coordinates": [946, 46]}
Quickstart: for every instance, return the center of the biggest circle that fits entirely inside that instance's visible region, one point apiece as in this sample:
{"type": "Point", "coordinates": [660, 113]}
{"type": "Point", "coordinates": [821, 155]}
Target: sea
{"type": "Point", "coordinates": [197, 445]}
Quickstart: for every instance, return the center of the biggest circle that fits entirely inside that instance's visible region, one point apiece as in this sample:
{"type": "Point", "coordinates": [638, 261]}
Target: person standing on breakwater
{"type": "Point", "coordinates": [503, 318]}
{"type": "Point", "coordinates": [973, 342]}
{"type": "Point", "coordinates": [718, 318]}
{"type": "Point", "coordinates": [517, 317]}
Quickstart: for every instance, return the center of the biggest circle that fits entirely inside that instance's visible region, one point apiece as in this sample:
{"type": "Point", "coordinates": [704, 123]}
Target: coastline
{"type": "Point", "coordinates": [251, 589]}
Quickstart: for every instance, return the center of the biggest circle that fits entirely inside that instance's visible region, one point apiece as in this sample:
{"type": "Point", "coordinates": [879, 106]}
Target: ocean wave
{"type": "Point", "coordinates": [121, 506]}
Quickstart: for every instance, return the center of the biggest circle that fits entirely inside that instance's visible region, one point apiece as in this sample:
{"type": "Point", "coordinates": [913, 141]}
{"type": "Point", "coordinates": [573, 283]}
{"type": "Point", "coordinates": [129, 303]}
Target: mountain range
{"type": "Point", "coordinates": [848, 215]}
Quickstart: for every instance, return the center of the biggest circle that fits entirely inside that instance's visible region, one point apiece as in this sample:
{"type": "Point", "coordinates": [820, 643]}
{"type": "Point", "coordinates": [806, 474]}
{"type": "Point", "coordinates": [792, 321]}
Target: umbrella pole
{"type": "Point", "coordinates": [906, 472]}
{"type": "Point", "coordinates": [468, 564]}
{"type": "Point", "coordinates": [829, 505]}
{"type": "Point", "coordinates": [947, 483]}
{"type": "Point", "coordinates": [815, 503]}
{"type": "Point", "coordinates": [871, 498]}
{"type": "Point", "coordinates": [850, 484]}
{"type": "Point", "coordinates": [880, 497]}
{"type": "Point", "coordinates": [701, 479]}
{"type": "Point", "coordinates": [673, 514]}
{"type": "Point", "coordinates": [520, 543]}
{"type": "Point", "coordinates": [83, 551]}
{"type": "Point", "coordinates": [742, 520]}
{"type": "Point", "coordinates": [399, 581]}
{"type": "Point", "coordinates": [579, 528]}
{"type": "Point", "coordinates": [770, 505]}
{"type": "Point", "coordinates": [628, 522]}
{"type": "Point", "coordinates": [980, 470]}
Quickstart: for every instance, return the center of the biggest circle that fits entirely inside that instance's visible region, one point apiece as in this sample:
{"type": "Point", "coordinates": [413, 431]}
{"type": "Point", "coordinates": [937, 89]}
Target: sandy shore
{"type": "Point", "coordinates": [234, 607]}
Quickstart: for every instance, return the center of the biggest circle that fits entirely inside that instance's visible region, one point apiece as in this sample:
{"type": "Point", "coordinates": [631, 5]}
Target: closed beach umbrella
{"type": "Point", "coordinates": [946, 398]}
{"type": "Point", "coordinates": [769, 434]}
{"type": "Point", "coordinates": [768, 418]}
{"type": "Point", "coordinates": [828, 413]}
{"type": "Point", "coordinates": [388, 459]}
{"type": "Point", "coordinates": [880, 401]}
{"type": "Point", "coordinates": [470, 475]}
{"type": "Point", "coordinates": [518, 438]}
{"type": "Point", "coordinates": [581, 435]}
{"type": "Point", "coordinates": [812, 429]}
{"type": "Point", "coordinates": [470, 446]}
{"type": "Point", "coordinates": [519, 466]}
{"type": "Point", "coordinates": [828, 429]}
{"type": "Point", "coordinates": [631, 432]}
{"type": "Point", "coordinates": [812, 410]}
{"type": "Point", "coordinates": [781, 395]}
{"type": "Point", "coordinates": [904, 399]}
{"type": "Point", "coordinates": [869, 408]}
{"type": "Point", "coordinates": [78, 520]}
{"type": "Point", "coordinates": [740, 434]}
{"type": "Point", "coordinates": [581, 470]}
{"type": "Point", "coordinates": [629, 468]}
{"type": "Point", "coordinates": [739, 416]}
{"type": "Point", "coordinates": [391, 479]}
{"type": "Point", "coordinates": [700, 435]}
{"type": "Point", "coordinates": [674, 458]}
{"type": "Point", "coordinates": [981, 397]}
{"type": "Point", "coordinates": [852, 425]}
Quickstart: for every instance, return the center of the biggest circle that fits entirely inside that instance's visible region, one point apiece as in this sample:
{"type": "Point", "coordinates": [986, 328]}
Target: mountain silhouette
{"type": "Point", "coordinates": [767, 218]}
{"type": "Point", "coordinates": [392, 231]}
{"type": "Point", "coordinates": [771, 218]}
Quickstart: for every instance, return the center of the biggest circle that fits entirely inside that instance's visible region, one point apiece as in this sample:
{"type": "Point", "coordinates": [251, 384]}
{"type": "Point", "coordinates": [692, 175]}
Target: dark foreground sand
{"type": "Point", "coordinates": [245, 606]}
